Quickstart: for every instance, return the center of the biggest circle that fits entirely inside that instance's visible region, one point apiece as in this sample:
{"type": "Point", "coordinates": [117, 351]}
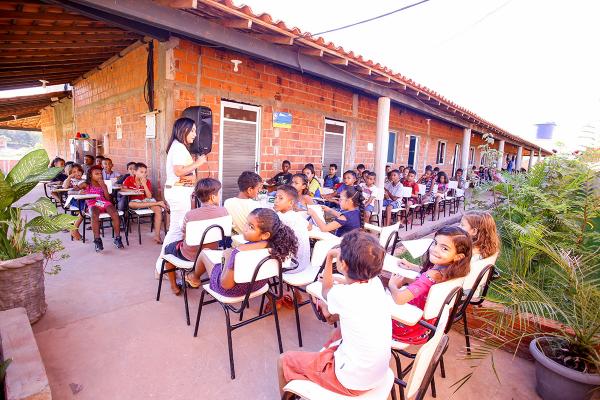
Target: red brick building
{"type": "Point", "coordinates": [334, 97]}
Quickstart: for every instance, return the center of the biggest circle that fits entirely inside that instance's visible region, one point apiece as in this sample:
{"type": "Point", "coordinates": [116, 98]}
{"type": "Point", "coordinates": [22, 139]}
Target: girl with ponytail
{"type": "Point", "coordinates": [350, 217]}
{"type": "Point", "coordinates": [264, 230]}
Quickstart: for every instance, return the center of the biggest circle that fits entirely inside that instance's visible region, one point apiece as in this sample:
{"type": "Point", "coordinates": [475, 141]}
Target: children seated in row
{"type": "Point", "coordinates": [313, 183]}
{"type": "Point", "coordinates": [130, 172]}
{"type": "Point", "coordinates": [448, 257]}
{"type": "Point", "coordinates": [360, 169]}
{"type": "Point", "coordinates": [249, 184]}
{"type": "Point", "coordinates": [58, 163]}
{"type": "Point", "coordinates": [331, 179]}
{"type": "Point", "coordinates": [88, 161]}
{"type": "Point", "coordinates": [459, 177]}
{"type": "Point", "coordinates": [350, 179]}
{"type": "Point", "coordinates": [207, 191]}
{"type": "Point", "coordinates": [349, 218]}
{"type": "Point", "coordinates": [139, 182]}
{"type": "Point", "coordinates": [263, 230]}
{"type": "Point", "coordinates": [74, 182]}
{"type": "Point", "coordinates": [284, 177]}
{"type": "Point", "coordinates": [98, 161]}
{"type": "Point", "coordinates": [107, 170]}
{"type": "Point", "coordinates": [356, 357]}
{"type": "Point", "coordinates": [300, 183]}
{"type": "Point", "coordinates": [94, 184]}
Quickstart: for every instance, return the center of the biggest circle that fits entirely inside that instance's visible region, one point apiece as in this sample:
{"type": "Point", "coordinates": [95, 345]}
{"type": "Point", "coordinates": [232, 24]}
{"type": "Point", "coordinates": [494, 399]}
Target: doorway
{"type": "Point", "coordinates": [413, 150]}
{"type": "Point", "coordinates": [456, 159]}
{"type": "Point", "coordinates": [334, 144]}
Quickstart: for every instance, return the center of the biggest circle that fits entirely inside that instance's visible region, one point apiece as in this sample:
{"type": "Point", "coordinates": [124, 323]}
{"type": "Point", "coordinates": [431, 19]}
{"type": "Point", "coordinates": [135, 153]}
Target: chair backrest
{"type": "Point", "coordinates": [321, 249]}
{"type": "Point", "coordinates": [109, 185]}
{"type": "Point", "coordinates": [437, 296]}
{"type": "Point", "coordinates": [479, 276]}
{"type": "Point", "coordinates": [247, 262]}
{"type": "Point", "coordinates": [379, 194]}
{"type": "Point", "coordinates": [198, 232]}
{"type": "Point", "coordinates": [422, 189]}
{"type": "Point", "coordinates": [460, 192]}
{"type": "Point", "coordinates": [426, 362]}
{"type": "Point", "coordinates": [388, 235]}
{"type": "Point", "coordinates": [406, 191]}
{"type": "Point", "coordinates": [452, 184]}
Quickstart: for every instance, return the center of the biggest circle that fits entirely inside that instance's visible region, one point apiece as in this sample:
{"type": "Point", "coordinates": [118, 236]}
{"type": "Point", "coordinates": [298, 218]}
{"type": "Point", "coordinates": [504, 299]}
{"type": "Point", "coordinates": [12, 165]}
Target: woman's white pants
{"type": "Point", "coordinates": [179, 200]}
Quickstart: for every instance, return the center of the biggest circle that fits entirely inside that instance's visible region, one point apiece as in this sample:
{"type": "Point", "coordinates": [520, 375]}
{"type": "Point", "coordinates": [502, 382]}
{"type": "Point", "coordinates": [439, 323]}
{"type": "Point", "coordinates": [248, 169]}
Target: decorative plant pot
{"type": "Point", "coordinates": [557, 382]}
{"type": "Point", "coordinates": [22, 285]}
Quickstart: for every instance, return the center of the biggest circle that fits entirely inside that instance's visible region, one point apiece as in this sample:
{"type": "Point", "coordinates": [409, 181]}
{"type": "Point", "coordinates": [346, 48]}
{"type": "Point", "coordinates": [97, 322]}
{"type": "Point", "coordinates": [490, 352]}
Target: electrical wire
{"type": "Point", "coordinates": [371, 19]}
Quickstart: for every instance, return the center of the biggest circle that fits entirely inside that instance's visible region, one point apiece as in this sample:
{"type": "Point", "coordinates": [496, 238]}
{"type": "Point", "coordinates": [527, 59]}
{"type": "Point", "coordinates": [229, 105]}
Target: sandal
{"type": "Point", "coordinates": [178, 292]}
{"type": "Point", "coordinates": [287, 302]}
{"type": "Point", "coordinates": [191, 283]}
{"type": "Point", "coordinates": [75, 234]}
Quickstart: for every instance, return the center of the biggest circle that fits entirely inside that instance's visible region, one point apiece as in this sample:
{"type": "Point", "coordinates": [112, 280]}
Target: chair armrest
{"type": "Point", "coordinates": [373, 228]}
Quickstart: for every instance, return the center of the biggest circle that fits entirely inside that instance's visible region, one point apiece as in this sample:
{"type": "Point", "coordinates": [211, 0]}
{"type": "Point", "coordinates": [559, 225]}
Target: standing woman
{"type": "Point", "coordinates": [180, 178]}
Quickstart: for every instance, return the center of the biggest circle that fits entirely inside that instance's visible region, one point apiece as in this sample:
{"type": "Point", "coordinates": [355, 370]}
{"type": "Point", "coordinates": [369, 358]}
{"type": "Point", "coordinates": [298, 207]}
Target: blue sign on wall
{"type": "Point", "coordinates": [282, 120]}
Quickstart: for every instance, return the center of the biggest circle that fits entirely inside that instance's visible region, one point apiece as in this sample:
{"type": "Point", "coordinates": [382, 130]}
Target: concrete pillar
{"type": "Point", "coordinates": [530, 160]}
{"type": "Point", "coordinates": [466, 145]}
{"type": "Point", "coordinates": [539, 155]}
{"type": "Point", "coordinates": [381, 144]}
{"type": "Point", "coordinates": [519, 158]}
{"type": "Point", "coordinates": [500, 161]}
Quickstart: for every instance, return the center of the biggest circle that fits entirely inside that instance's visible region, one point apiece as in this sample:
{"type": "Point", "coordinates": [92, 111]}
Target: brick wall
{"type": "Point", "coordinates": [47, 126]}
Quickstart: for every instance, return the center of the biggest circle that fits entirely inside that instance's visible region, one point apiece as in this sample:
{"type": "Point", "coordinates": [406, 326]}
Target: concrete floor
{"type": "Point", "coordinates": [105, 337]}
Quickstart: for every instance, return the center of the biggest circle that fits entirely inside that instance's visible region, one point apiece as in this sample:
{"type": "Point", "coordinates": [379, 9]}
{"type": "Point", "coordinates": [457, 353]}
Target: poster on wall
{"type": "Point", "coordinates": [282, 120]}
{"type": "Point", "coordinates": [119, 126]}
{"type": "Point", "coordinates": [150, 125]}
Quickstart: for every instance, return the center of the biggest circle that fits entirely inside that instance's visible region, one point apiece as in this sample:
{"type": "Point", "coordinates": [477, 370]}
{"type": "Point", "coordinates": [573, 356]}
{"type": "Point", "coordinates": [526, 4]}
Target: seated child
{"type": "Point", "coordinates": [239, 207]}
{"type": "Point", "coordinates": [448, 257]}
{"type": "Point", "coordinates": [99, 160]}
{"type": "Point", "coordinates": [207, 191]}
{"type": "Point", "coordinates": [264, 230]}
{"type": "Point", "coordinates": [388, 169]}
{"type": "Point", "coordinates": [409, 181]}
{"type": "Point", "coordinates": [356, 357]}
{"type": "Point", "coordinates": [284, 177]}
{"type": "Point", "coordinates": [441, 181]}
{"type": "Point", "coordinates": [130, 172]}
{"type": "Point", "coordinates": [285, 200]}
{"type": "Point", "coordinates": [313, 182]}
{"type": "Point", "coordinates": [74, 181]}
{"type": "Point", "coordinates": [94, 184]}
{"type": "Point", "coordinates": [480, 225]}
{"type": "Point", "coordinates": [139, 181]}
{"type": "Point", "coordinates": [427, 180]}
{"type": "Point", "coordinates": [459, 177]}
{"type": "Point", "coordinates": [331, 179]}
{"type": "Point", "coordinates": [107, 170]}
{"type": "Point", "coordinates": [370, 194]}
{"type": "Point", "coordinates": [300, 183]}
{"type": "Point", "coordinates": [392, 197]}
{"type": "Point", "coordinates": [350, 179]}
{"type": "Point", "coordinates": [59, 163]}
{"type": "Point", "coordinates": [349, 219]}
{"type": "Point", "coordinates": [88, 161]}
{"type": "Point", "coordinates": [360, 169]}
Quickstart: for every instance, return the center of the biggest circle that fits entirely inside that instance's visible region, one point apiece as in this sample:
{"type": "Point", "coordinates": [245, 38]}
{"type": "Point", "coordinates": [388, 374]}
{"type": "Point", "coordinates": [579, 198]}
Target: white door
{"type": "Point", "coordinates": [334, 144]}
{"type": "Point", "coordinates": [239, 144]}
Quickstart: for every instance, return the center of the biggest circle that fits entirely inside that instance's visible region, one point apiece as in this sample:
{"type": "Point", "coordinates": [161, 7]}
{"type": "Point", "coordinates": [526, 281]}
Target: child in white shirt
{"type": "Point", "coordinates": [239, 207]}
{"type": "Point", "coordinates": [370, 194]}
{"type": "Point", "coordinates": [360, 361]}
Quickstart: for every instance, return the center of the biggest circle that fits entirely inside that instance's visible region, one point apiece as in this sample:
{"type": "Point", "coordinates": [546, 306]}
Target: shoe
{"type": "Point", "coordinates": [118, 243]}
{"type": "Point", "coordinates": [98, 245]}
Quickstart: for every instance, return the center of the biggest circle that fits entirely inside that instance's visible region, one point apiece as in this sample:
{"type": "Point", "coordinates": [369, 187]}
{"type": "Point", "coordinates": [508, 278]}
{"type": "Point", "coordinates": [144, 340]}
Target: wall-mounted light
{"type": "Point", "coordinates": [236, 63]}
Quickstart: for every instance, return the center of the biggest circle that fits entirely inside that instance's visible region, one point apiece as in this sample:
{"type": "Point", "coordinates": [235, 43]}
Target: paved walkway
{"type": "Point", "coordinates": [105, 337]}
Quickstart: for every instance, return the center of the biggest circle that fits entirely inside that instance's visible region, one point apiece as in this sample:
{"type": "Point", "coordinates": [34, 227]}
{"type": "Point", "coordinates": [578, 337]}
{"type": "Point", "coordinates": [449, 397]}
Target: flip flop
{"type": "Point", "coordinates": [191, 283]}
{"type": "Point", "coordinates": [287, 302]}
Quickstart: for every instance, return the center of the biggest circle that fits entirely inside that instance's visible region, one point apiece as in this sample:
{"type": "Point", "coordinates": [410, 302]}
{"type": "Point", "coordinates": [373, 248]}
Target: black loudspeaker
{"type": "Point", "coordinates": [203, 118]}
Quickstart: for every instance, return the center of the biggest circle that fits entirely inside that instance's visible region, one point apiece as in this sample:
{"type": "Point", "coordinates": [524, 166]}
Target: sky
{"type": "Point", "coordinates": [515, 63]}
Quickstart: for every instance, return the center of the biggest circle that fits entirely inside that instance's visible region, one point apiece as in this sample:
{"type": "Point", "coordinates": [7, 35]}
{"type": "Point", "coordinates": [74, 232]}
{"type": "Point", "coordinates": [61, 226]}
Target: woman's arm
{"type": "Point", "coordinates": [183, 170]}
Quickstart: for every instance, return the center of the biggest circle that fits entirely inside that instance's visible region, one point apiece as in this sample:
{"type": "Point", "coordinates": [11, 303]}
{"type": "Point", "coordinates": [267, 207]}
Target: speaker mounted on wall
{"type": "Point", "coordinates": [202, 116]}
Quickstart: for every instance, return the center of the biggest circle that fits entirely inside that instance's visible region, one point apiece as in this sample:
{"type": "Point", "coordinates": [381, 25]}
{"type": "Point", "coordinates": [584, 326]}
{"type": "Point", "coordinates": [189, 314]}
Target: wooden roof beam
{"type": "Point", "coordinates": [384, 79]}
{"type": "Point", "coordinates": [40, 16]}
{"type": "Point", "coordinates": [41, 61]}
{"type": "Point", "coordinates": [337, 61]}
{"type": "Point", "coordinates": [311, 52]}
{"type": "Point", "coordinates": [58, 28]}
{"type": "Point", "coordinates": [237, 23]}
{"type": "Point", "coordinates": [68, 37]}
{"type": "Point", "coordinates": [76, 45]}
{"type": "Point", "coordinates": [276, 39]}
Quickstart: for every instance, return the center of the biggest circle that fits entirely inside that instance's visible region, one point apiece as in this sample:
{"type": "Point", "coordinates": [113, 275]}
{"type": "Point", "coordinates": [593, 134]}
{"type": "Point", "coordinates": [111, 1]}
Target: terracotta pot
{"type": "Point", "coordinates": [22, 285]}
{"type": "Point", "coordinates": [557, 382]}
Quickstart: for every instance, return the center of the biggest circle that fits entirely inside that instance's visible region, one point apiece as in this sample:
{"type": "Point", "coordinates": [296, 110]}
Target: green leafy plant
{"type": "Point", "coordinates": [51, 249]}
{"type": "Point", "coordinates": [14, 226]}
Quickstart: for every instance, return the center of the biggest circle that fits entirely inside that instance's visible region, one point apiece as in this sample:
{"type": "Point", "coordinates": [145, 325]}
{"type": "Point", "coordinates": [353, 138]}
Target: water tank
{"type": "Point", "coordinates": [545, 131]}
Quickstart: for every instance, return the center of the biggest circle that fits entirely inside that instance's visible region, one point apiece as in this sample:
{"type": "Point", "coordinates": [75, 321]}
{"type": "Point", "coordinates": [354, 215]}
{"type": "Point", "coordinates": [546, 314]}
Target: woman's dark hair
{"type": "Point", "coordinates": [304, 180]}
{"type": "Point", "coordinates": [248, 180]}
{"type": "Point", "coordinates": [289, 190]}
{"type": "Point", "coordinates": [88, 177]}
{"type": "Point", "coordinates": [139, 165]}
{"type": "Point", "coordinates": [57, 159]}
{"type": "Point", "coordinates": [355, 194]}
{"type": "Point", "coordinates": [181, 128]}
{"type": "Point", "coordinates": [362, 254]}
{"type": "Point", "coordinates": [441, 174]}
{"type": "Point", "coordinates": [282, 242]}
{"type": "Point", "coordinates": [205, 188]}
{"type": "Point", "coordinates": [463, 244]}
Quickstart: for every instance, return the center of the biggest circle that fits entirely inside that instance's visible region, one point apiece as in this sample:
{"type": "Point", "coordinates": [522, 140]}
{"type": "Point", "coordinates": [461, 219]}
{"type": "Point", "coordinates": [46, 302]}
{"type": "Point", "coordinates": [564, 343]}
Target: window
{"type": "Point", "coordinates": [391, 154]}
{"type": "Point", "coordinates": [441, 153]}
{"type": "Point", "coordinates": [471, 155]}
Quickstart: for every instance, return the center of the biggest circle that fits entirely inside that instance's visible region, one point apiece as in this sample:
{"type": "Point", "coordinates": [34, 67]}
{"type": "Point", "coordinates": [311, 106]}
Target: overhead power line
{"type": "Point", "coordinates": [371, 19]}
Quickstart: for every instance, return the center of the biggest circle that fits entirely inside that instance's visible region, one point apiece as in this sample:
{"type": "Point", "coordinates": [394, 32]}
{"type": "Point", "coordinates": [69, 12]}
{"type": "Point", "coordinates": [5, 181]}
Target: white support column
{"type": "Point", "coordinates": [500, 162]}
{"type": "Point", "coordinates": [519, 158]}
{"type": "Point", "coordinates": [381, 144]}
{"type": "Point", "coordinates": [530, 160]}
{"type": "Point", "coordinates": [539, 155]}
{"type": "Point", "coordinates": [466, 145]}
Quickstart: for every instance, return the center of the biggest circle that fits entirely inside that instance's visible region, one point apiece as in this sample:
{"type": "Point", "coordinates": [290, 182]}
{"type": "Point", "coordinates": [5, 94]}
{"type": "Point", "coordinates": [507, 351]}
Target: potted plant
{"type": "Point", "coordinates": [21, 262]}
{"type": "Point", "coordinates": [548, 293]}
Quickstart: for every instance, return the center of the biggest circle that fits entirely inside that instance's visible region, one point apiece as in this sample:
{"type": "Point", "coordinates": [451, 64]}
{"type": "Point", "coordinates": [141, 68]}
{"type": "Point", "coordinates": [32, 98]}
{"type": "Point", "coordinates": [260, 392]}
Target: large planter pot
{"type": "Point", "coordinates": [557, 382]}
{"type": "Point", "coordinates": [22, 285]}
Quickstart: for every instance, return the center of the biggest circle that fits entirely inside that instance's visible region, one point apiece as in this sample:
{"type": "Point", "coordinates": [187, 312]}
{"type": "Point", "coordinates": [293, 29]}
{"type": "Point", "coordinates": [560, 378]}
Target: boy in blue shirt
{"type": "Point", "coordinates": [331, 179]}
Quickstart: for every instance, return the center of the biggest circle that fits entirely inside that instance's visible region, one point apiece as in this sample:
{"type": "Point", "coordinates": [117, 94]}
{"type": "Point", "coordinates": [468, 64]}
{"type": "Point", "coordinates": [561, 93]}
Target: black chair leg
{"type": "Point", "coordinates": [297, 312]}
{"type": "Point", "coordinates": [442, 368]}
{"type": "Point", "coordinates": [160, 279]}
{"type": "Point", "coordinates": [229, 342]}
{"type": "Point", "coordinates": [84, 229]}
{"type": "Point", "coordinates": [262, 304]}
{"type": "Point", "coordinates": [433, 391]}
{"type": "Point", "coordinates": [139, 231]}
{"type": "Point", "coordinates": [466, 328]}
{"type": "Point", "coordinates": [185, 299]}
{"type": "Point", "coordinates": [274, 308]}
{"type": "Point", "coordinates": [199, 312]}
{"type": "Point", "coordinates": [400, 375]}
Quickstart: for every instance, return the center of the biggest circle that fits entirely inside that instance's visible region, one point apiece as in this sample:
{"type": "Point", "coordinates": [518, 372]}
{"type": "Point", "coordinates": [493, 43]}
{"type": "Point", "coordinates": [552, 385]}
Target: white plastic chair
{"type": "Point", "coordinates": [425, 204]}
{"type": "Point", "coordinates": [197, 233]}
{"type": "Point", "coordinates": [249, 267]}
{"type": "Point", "coordinates": [298, 281]}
